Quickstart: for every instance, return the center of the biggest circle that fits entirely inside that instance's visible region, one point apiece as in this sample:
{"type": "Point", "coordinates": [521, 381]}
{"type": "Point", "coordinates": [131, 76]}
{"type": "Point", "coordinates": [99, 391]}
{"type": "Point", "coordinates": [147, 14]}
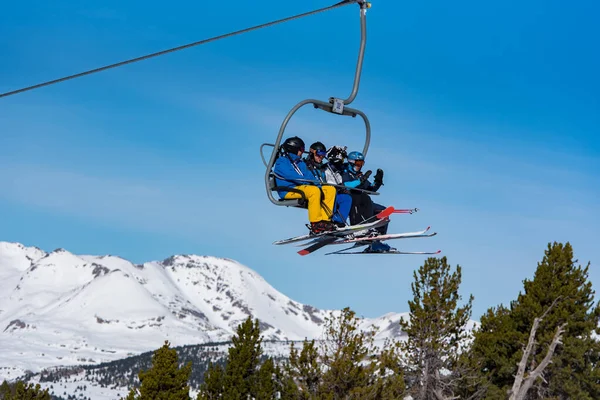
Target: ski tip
{"type": "Point", "coordinates": [303, 252]}
{"type": "Point", "coordinates": [438, 252]}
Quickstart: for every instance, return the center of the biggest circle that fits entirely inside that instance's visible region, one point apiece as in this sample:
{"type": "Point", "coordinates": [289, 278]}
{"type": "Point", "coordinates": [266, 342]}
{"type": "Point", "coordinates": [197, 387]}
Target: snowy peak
{"type": "Point", "coordinates": [18, 257]}
{"type": "Point", "coordinates": [58, 271]}
{"type": "Point", "coordinates": [228, 292]}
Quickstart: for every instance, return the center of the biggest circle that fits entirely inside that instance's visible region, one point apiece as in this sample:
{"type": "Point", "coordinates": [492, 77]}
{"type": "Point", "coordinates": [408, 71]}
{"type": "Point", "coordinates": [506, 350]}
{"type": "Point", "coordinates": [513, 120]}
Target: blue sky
{"type": "Point", "coordinates": [484, 116]}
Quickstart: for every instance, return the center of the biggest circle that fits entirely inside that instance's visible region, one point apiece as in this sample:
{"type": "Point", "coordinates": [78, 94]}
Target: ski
{"type": "Point", "coordinates": [368, 223]}
{"type": "Point", "coordinates": [349, 235]}
{"type": "Point", "coordinates": [367, 240]}
{"type": "Point", "coordinates": [362, 234]}
{"type": "Point", "coordinates": [330, 237]}
{"type": "Point", "coordinates": [389, 236]}
{"type": "Point", "coordinates": [338, 232]}
{"type": "Point", "coordinates": [317, 245]}
{"type": "Point", "coordinates": [388, 252]}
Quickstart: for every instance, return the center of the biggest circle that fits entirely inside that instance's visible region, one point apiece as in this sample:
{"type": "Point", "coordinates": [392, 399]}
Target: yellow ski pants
{"type": "Point", "coordinates": [316, 212]}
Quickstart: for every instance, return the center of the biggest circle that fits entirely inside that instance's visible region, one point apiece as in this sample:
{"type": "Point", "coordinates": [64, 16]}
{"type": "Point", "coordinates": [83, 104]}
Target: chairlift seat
{"type": "Point", "coordinates": [301, 203]}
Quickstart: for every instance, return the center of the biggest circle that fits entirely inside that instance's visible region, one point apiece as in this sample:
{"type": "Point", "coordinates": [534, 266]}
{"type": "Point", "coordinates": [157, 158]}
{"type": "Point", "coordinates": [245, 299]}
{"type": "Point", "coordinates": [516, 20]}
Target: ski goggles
{"type": "Point", "coordinates": [359, 163]}
{"type": "Point", "coordinates": [320, 153]}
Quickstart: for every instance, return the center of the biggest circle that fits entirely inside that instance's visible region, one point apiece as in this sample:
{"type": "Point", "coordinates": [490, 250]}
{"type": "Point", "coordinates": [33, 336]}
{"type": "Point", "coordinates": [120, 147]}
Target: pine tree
{"type": "Point", "coordinates": [346, 365]}
{"type": "Point", "coordinates": [304, 369]}
{"type": "Point", "coordinates": [574, 371]}
{"type": "Point", "coordinates": [289, 388]}
{"type": "Point", "coordinates": [165, 380]}
{"type": "Point", "coordinates": [344, 352]}
{"type": "Point", "coordinates": [494, 348]}
{"type": "Point", "coordinates": [243, 361]}
{"type": "Point", "coordinates": [268, 381]}
{"type": "Point", "coordinates": [5, 391]}
{"type": "Point", "coordinates": [240, 377]}
{"type": "Point", "coordinates": [22, 391]}
{"type": "Point", "coordinates": [213, 386]}
{"type": "Point", "coordinates": [436, 329]}
{"type": "Point", "coordinates": [386, 376]}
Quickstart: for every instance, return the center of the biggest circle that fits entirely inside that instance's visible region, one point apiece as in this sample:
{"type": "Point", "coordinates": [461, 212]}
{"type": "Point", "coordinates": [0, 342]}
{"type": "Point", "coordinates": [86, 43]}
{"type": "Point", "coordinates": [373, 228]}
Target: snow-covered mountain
{"type": "Point", "coordinates": [58, 308]}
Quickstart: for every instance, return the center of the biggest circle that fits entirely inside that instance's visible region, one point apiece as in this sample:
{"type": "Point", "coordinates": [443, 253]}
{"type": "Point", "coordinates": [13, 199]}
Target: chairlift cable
{"type": "Point", "coordinates": [215, 38]}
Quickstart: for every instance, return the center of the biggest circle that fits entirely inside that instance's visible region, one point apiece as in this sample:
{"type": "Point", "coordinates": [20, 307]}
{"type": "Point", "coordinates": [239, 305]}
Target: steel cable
{"type": "Point", "coordinates": [215, 38]}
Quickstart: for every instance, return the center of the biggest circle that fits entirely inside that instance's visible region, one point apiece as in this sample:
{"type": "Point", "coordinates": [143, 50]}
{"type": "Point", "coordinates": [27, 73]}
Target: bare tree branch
{"type": "Point", "coordinates": [550, 307]}
{"type": "Point", "coordinates": [521, 384]}
{"type": "Point", "coordinates": [547, 359]}
{"type": "Point", "coordinates": [523, 363]}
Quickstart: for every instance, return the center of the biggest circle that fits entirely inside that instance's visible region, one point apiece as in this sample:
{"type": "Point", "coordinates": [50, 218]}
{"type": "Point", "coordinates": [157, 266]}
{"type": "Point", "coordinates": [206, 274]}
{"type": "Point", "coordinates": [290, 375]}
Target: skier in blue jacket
{"type": "Point", "coordinates": [291, 171]}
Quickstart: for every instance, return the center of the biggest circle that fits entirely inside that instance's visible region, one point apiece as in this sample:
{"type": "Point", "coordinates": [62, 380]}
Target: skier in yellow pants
{"type": "Point", "coordinates": [291, 171]}
{"type": "Point", "coordinates": [316, 212]}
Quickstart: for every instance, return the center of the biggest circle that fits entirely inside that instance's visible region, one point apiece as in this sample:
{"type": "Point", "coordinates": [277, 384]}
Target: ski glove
{"type": "Point", "coordinates": [379, 177]}
{"type": "Point", "coordinates": [364, 177]}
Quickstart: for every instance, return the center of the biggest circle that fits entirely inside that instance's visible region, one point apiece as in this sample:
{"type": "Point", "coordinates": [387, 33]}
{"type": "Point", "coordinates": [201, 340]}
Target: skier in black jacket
{"type": "Point", "coordinates": [363, 206]}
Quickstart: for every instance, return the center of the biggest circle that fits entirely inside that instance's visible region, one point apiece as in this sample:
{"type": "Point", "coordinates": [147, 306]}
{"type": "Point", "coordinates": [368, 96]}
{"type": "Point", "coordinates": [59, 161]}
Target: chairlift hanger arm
{"type": "Point", "coordinates": [361, 51]}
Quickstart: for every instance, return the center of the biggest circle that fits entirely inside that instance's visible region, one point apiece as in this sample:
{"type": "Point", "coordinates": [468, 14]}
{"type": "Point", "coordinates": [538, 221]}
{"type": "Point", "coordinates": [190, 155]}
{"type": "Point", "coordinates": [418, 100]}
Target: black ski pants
{"type": "Point", "coordinates": [362, 208]}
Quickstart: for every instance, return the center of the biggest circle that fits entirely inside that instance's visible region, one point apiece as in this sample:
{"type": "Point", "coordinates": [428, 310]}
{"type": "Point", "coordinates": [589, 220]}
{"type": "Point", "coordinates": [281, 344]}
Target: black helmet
{"type": "Point", "coordinates": [293, 145]}
{"type": "Point", "coordinates": [319, 148]}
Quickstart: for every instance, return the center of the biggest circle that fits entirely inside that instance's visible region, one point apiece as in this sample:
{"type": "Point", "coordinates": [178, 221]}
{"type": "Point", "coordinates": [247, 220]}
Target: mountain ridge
{"type": "Point", "coordinates": [58, 308]}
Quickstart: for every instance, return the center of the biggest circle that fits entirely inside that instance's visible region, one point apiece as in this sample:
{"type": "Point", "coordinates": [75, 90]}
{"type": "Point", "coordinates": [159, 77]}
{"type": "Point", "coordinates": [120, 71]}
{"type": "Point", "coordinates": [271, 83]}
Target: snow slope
{"type": "Point", "coordinates": [58, 308]}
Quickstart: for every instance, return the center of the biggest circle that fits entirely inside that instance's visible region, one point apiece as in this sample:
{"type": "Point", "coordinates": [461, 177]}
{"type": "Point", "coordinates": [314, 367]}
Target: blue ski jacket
{"type": "Point", "coordinates": [351, 179]}
{"type": "Point", "coordinates": [294, 172]}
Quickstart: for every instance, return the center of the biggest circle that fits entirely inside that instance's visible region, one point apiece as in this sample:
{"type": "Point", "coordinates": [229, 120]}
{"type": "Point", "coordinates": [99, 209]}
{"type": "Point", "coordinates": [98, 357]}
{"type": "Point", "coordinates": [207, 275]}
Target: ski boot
{"type": "Point", "coordinates": [322, 227]}
{"type": "Point", "coordinates": [378, 247]}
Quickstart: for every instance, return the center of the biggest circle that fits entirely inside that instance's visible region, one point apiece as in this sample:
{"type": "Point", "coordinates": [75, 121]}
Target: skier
{"type": "Point", "coordinates": [291, 171]}
{"type": "Point", "coordinates": [333, 175]}
{"type": "Point", "coordinates": [363, 206]}
{"type": "Point", "coordinates": [314, 160]}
